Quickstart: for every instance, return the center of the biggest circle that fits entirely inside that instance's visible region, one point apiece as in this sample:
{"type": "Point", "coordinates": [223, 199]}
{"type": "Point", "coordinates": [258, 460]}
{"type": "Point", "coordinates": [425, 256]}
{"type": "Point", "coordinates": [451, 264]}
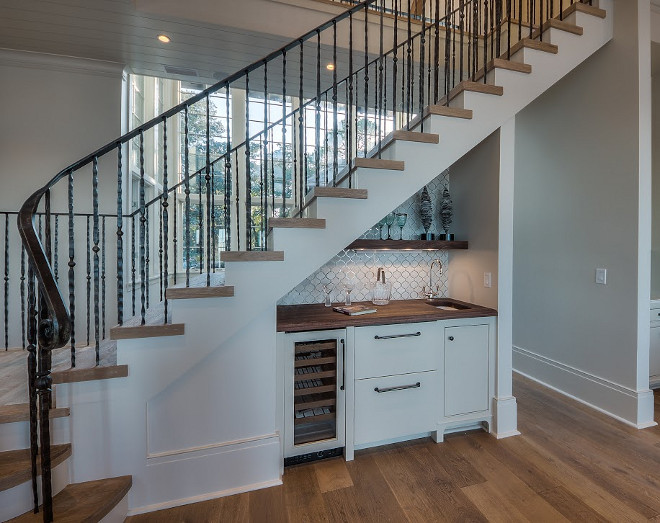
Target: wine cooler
{"type": "Point", "coordinates": [314, 395]}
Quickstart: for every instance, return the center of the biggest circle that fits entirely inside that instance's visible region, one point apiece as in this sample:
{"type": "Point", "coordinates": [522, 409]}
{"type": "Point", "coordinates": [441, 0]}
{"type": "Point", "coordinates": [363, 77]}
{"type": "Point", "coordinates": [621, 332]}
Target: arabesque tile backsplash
{"type": "Point", "coordinates": [408, 271]}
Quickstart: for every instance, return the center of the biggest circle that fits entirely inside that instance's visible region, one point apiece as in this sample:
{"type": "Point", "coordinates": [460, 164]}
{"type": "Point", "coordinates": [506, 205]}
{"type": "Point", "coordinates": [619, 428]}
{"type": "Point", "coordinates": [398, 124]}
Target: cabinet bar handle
{"type": "Point", "coordinates": [400, 387]}
{"type": "Point", "coordinates": [412, 335]}
{"type": "Point", "coordinates": [343, 365]}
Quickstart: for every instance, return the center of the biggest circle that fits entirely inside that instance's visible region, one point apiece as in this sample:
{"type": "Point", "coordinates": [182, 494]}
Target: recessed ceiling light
{"type": "Point", "coordinates": [330, 67]}
{"type": "Point", "coordinates": [164, 38]}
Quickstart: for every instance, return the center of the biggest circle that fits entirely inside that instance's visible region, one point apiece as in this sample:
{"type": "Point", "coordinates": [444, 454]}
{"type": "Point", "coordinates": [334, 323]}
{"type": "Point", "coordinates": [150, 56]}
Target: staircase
{"type": "Point", "coordinates": [185, 408]}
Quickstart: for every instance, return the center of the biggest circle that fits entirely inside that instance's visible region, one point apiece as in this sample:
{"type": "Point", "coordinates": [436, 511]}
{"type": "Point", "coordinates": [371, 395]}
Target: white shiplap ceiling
{"type": "Point", "coordinates": [125, 31]}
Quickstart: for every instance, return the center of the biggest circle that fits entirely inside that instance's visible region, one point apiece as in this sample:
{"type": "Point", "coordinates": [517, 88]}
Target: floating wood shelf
{"type": "Point", "coordinates": [407, 245]}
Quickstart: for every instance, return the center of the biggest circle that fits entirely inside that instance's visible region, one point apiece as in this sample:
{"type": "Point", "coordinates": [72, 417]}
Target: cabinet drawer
{"type": "Point", "coordinates": [385, 350]}
{"type": "Point", "coordinates": [395, 406]}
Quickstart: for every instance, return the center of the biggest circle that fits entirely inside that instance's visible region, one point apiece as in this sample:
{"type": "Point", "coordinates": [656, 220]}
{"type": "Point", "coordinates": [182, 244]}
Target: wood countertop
{"type": "Point", "coordinates": [316, 316]}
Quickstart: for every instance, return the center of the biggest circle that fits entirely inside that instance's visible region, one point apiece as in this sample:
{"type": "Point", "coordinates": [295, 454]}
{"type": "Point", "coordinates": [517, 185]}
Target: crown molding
{"type": "Point", "coordinates": [53, 62]}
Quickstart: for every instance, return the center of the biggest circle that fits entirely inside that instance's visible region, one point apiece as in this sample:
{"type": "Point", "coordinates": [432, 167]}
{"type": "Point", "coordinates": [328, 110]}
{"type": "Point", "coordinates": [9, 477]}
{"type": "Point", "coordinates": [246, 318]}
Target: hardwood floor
{"type": "Point", "coordinates": [570, 464]}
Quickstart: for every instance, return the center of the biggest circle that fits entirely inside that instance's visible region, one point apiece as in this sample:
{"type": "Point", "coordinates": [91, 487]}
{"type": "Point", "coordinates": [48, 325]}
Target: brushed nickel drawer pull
{"type": "Point", "coordinates": [400, 387]}
{"type": "Point", "coordinates": [397, 336]}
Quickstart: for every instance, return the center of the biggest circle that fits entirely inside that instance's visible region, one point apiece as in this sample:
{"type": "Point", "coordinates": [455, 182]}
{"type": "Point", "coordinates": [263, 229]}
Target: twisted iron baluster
{"type": "Point", "coordinates": [227, 184]}
{"type": "Point", "coordinates": [200, 222]}
{"type": "Point", "coordinates": [335, 137]}
{"type": "Point", "coordinates": [461, 25]}
{"type": "Point", "coordinates": [120, 240]}
{"type": "Point", "coordinates": [301, 133]}
{"type": "Point", "coordinates": [248, 169]}
{"type": "Point", "coordinates": [56, 258]}
{"type": "Point", "coordinates": [175, 240]}
{"type": "Point", "coordinates": [165, 218]}
{"type": "Point", "coordinates": [89, 277]}
{"type": "Point", "coordinates": [95, 205]}
{"type": "Point", "coordinates": [72, 264]}
{"type": "Point", "coordinates": [102, 277]}
{"type": "Point", "coordinates": [186, 190]}
{"type": "Point", "coordinates": [160, 250]}
{"type": "Point", "coordinates": [349, 112]}
{"type": "Point", "coordinates": [395, 59]}
{"type": "Point", "coordinates": [238, 228]}
{"type": "Point", "coordinates": [266, 216]}
{"type": "Point", "coordinates": [142, 239]}
{"type": "Point", "coordinates": [409, 71]}
{"type": "Point", "coordinates": [486, 15]}
{"type": "Point", "coordinates": [208, 191]}
{"type": "Point", "coordinates": [6, 281]}
{"type": "Point", "coordinates": [133, 255]}
{"type": "Point", "coordinates": [317, 129]}
{"type": "Point", "coordinates": [283, 133]}
{"type": "Point", "coordinates": [147, 257]}
{"type": "Point", "coordinates": [23, 344]}
{"type": "Point", "coordinates": [422, 66]}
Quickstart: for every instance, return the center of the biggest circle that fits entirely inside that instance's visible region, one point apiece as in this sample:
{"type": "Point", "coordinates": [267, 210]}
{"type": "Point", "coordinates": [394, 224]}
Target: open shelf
{"type": "Point", "coordinates": [402, 245]}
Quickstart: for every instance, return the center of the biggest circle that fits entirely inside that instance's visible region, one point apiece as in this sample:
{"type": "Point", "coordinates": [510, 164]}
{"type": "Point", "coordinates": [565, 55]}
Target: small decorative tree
{"type": "Point", "coordinates": [446, 213]}
{"type": "Point", "coordinates": [426, 212]}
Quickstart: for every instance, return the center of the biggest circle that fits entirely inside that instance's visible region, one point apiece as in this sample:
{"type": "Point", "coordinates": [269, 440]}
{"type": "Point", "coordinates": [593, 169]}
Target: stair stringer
{"type": "Point", "coordinates": [227, 335]}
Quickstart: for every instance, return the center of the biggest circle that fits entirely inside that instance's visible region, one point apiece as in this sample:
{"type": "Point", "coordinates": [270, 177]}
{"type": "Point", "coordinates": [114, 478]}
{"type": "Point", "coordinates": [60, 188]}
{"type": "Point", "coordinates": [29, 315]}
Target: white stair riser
{"type": "Point", "coordinates": [14, 436]}
{"type": "Point", "coordinates": [18, 500]}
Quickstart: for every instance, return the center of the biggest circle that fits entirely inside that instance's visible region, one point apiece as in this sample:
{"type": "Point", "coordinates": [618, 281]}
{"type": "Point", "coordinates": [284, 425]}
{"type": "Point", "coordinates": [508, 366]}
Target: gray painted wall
{"type": "Point", "coordinates": [576, 208]}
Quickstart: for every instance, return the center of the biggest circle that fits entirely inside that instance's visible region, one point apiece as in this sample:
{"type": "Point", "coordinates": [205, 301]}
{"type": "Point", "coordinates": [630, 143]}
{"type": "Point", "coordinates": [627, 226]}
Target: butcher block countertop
{"type": "Point", "coordinates": [316, 316]}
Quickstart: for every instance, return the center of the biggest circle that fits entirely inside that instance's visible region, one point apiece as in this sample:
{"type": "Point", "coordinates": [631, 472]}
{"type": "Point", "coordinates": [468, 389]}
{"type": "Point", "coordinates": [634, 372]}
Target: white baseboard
{"type": "Point", "coordinates": [203, 497]}
{"type": "Point", "coordinates": [505, 422]}
{"type": "Point", "coordinates": [634, 408]}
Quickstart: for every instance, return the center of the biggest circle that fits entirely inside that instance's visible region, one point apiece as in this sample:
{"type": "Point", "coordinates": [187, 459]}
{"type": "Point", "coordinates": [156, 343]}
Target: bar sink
{"type": "Point", "coordinates": [446, 304]}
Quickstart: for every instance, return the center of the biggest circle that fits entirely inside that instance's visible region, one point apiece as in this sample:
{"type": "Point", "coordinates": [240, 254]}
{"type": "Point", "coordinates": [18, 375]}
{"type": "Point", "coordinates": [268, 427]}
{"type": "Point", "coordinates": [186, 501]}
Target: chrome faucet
{"type": "Point", "coordinates": [431, 292]}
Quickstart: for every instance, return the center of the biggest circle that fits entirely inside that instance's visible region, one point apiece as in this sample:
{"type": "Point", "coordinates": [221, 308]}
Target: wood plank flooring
{"type": "Point", "coordinates": [570, 464]}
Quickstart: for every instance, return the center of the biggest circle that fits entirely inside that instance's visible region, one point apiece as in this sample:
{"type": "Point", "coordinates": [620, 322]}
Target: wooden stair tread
{"type": "Point", "coordinates": [77, 374]}
{"type": "Point", "coordinates": [452, 112]}
{"type": "Point", "coordinates": [15, 465]}
{"type": "Point", "coordinates": [379, 163]}
{"type": "Point", "coordinates": [413, 136]}
{"type": "Point", "coordinates": [21, 412]}
{"type": "Point", "coordinates": [297, 223]}
{"type": "Point", "coordinates": [502, 63]}
{"type": "Point", "coordinates": [584, 8]}
{"type": "Point", "coordinates": [84, 502]}
{"type": "Point", "coordinates": [251, 256]}
{"type": "Point", "coordinates": [124, 332]}
{"type": "Point", "coordinates": [534, 44]}
{"type": "Point", "coordinates": [562, 25]}
{"type": "Point", "coordinates": [182, 293]}
{"type": "Point", "coordinates": [338, 192]}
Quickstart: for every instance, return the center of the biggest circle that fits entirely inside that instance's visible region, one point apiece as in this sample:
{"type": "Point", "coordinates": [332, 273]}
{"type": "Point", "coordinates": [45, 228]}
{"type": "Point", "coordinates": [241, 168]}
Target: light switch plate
{"type": "Point", "coordinates": [488, 280]}
{"type": "Point", "coordinates": [601, 276]}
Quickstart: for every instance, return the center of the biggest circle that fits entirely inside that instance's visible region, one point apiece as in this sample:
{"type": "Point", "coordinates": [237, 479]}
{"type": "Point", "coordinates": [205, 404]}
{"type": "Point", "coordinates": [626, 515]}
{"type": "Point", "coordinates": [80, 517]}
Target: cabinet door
{"type": "Point", "coordinates": [466, 369]}
{"type": "Point", "coordinates": [654, 363]}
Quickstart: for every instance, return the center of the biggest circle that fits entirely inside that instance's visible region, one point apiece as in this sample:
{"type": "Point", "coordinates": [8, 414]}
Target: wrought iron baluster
{"type": "Point", "coordinates": [436, 65]}
{"type": "Point", "coordinates": [207, 178]}
{"type": "Point", "coordinates": [349, 99]}
{"type": "Point", "coordinates": [409, 71]}
{"type": "Point", "coordinates": [95, 249]}
{"type": "Point", "coordinates": [448, 30]}
{"type": "Point", "coordinates": [89, 276]}
{"type": "Point", "coordinates": [325, 137]}
{"type": "Point", "coordinates": [102, 278]}
{"type": "Point", "coordinates": [175, 240]}
{"type": "Point", "coordinates": [133, 269]}
{"type": "Point", "coordinates": [335, 137]}
{"type": "Point", "coordinates": [381, 89]}
{"type": "Point", "coordinates": [485, 39]}
{"type": "Point", "coordinates": [142, 237]}
{"type": "Point", "coordinates": [186, 190]}
{"type": "Point", "coordinates": [395, 46]}
{"type": "Point", "coordinates": [248, 168]}
{"type": "Point", "coordinates": [56, 258]}
{"type": "Point", "coordinates": [227, 184]}
{"type": "Point", "coordinates": [238, 204]}
{"type": "Point", "coordinates": [272, 173]}
{"type": "Point", "coordinates": [200, 223]}
{"type": "Point", "coordinates": [165, 220]}
{"type": "Point", "coordinates": [120, 241]}
{"type": "Point", "coordinates": [283, 133]}
{"type": "Point", "coordinates": [508, 29]}
{"type": "Point", "coordinates": [317, 129]}
{"type": "Point", "coordinates": [520, 6]}
{"type": "Point", "coordinates": [531, 15]}
{"type": "Point", "coordinates": [266, 216]}
{"type": "Point", "coordinates": [301, 134]}
{"type": "Point", "coordinates": [72, 279]}
{"type": "Point", "coordinates": [147, 257]}
{"type": "Point", "coordinates": [422, 67]}
{"type": "Point", "coordinates": [160, 250]}
{"type": "Point", "coordinates": [541, 20]}
{"type": "Point", "coordinates": [23, 319]}
{"type": "Point", "coordinates": [461, 29]}
{"type": "Point", "coordinates": [366, 83]}
{"type": "Point", "coordinates": [6, 281]}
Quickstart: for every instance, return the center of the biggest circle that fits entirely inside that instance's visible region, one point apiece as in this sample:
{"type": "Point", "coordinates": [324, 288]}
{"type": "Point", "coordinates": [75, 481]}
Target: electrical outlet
{"type": "Point", "coordinates": [601, 276]}
{"type": "Point", "coordinates": [488, 280]}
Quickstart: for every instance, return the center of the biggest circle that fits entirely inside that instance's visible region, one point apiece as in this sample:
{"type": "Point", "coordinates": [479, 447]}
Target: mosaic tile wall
{"type": "Point", "coordinates": [408, 271]}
